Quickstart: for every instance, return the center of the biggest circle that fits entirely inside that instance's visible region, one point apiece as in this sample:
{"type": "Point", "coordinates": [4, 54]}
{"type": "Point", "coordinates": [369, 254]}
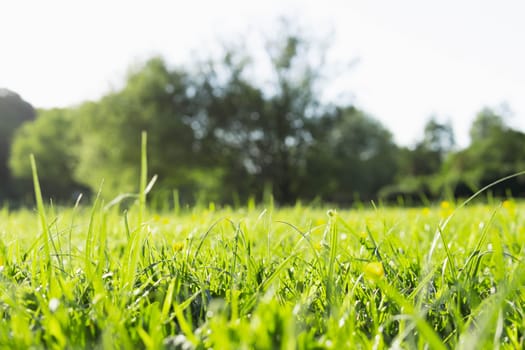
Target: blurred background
{"type": "Point", "coordinates": [337, 101]}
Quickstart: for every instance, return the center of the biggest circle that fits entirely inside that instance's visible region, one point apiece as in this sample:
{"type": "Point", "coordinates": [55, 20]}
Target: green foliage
{"type": "Point", "coordinates": [438, 137]}
{"type": "Point", "coordinates": [491, 158]}
{"type": "Point", "coordinates": [436, 170]}
{"type": "Point", "coordinates": [356, 158]}
{"type": "Point", "coordinates": [14, 111]}
{"type": "Point", "coordinates": [264, 133]}
{"type": "Point", "coordinates": [214, 134]}
{"type": "Point", "coordinates": [53, 140]}
{"type": "Point", "coordinates": [495, 152]}
{"type": "Point", "coordinates": [218, 133]}
{"type": "Point", "coordinates": [154, 100]}
{"type": "Point", "coordinates": [428, 155]}
{"type": "Point", "coordinates": [292, 278]}
{"type": "Point", "coordinates": [487, 123]}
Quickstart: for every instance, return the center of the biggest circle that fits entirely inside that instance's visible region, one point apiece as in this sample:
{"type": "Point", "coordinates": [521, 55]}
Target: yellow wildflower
{"type": "Point", "coordinates": [510, 206]}
{"type": "Point", "coordinates": [445, 205]}
{"type": "Point", "coordinates": [446, 208]}
{"type": "Point", "coordinates": [374, 270]}
{"type": "Point", "coordinates": [178, 246]}
{"type": "Point", "coordinates": [425, 211]}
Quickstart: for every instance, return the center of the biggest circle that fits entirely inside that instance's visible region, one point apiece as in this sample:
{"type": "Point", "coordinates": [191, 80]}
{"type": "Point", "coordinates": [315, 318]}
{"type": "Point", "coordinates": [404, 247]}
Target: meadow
{"type": "Point", "coordinates": [105, 275]}
{"type": "Point", "coordinates": [97, 276]}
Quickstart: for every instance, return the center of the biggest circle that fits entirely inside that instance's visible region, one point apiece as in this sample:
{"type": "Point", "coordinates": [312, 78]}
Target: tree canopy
{"type": "Point", "coordinates": [216, 133]}
{"type": "Point", "coordinates": [14, 111]}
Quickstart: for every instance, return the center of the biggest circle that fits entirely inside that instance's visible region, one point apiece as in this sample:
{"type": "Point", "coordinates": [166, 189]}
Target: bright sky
{"type": "Point", "coordinates": [415, 58]}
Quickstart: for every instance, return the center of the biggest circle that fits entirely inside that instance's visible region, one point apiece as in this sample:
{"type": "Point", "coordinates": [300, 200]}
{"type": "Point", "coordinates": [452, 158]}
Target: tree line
{"type": "Point", "coordinates": [216, 134]}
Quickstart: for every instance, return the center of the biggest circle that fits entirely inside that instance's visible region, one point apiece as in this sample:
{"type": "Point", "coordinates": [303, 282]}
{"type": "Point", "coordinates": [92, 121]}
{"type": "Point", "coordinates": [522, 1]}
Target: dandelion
{"type": "Point", "coordinates": [508, 204]}
{"type": "Point", "coordinates": [425, 211]}
{"type": "Point", "coordinates": [510, 207]}
{"type": "Point", "coordinates": [178, 246]}
{"type": "Point", "coordinates": [445, 205]}
{"type": "Point", "coordinates": [374, 270]}
{"type": "Point", "coordinates": [446, 208]}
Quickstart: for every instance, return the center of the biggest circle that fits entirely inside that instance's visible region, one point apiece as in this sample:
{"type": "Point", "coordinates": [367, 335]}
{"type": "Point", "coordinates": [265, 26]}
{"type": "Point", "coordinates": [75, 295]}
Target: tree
{"type": "Point", "coordinates": [438, 137]}
{"type": "Point", "coordinates": [264, 132]}
{"type": "Point", "coordinates": [419, 168]}
{"type": "Point", "coordinates": [54, 143]}
{"type": "Point", "coordinates": [217, 130]}
{"type": "Point", "coordinates": [487, 123]}
{"type": "Point", "coordinates": [355, 159]}
{"type": "Point", "coordinates": [14, 111]}
{"type": "Point", "coordinates": [496, 151]}
{"type": "Point", "coordinates": [155, 99]}
{"type": "Point", "coordinates": [428, 155]}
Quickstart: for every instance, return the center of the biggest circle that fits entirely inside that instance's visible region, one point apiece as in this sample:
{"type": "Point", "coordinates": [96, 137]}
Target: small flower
{"type": "Point", "coordinates": [374, 270]}
{"type": "Point", "coordinates": [446, 208]}
{"type": "Point", "coordinates": [510, 206]}
{"type": "Point", "coordinates": [177, 342]}
{"type": "Point", "coordinates": [54, 303]}
{"type": "Point", "coordinates": [425, 211]}
{"type": "Point", "coordinates": [178, 246]}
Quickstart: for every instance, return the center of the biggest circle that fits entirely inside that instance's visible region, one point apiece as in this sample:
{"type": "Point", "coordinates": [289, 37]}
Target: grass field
{"type": "Point", "coordinates": [98, 276]}
{"type": "Point", "coordinates": [265, 278]}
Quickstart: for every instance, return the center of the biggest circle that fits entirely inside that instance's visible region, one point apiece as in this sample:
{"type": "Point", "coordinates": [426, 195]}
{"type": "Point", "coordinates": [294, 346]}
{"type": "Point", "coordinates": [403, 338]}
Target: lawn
{"type": "Point", "coordinates": [263, 277]}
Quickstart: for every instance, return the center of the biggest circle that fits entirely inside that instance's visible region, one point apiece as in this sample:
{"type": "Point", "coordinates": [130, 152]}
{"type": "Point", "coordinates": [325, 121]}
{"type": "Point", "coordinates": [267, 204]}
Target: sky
{"type": "Point", "coordinates": [407, 60]}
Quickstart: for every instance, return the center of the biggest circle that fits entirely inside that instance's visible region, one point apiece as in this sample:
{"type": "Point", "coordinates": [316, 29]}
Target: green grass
{"type": "Point", "coordinates": [298, 277]}
{"type": "Point", "coordinates": [265, 278]}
